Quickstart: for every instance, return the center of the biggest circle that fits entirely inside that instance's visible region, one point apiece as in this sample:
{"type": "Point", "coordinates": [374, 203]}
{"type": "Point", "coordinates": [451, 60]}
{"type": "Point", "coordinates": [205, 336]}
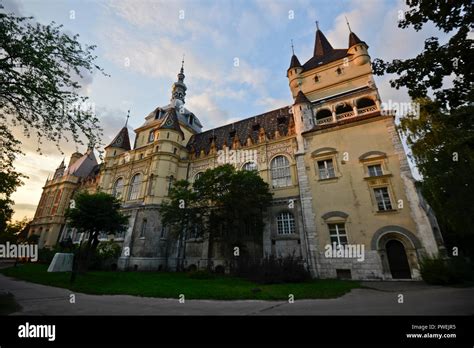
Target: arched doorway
{"type": "Point", "coordinates": [397, 259]}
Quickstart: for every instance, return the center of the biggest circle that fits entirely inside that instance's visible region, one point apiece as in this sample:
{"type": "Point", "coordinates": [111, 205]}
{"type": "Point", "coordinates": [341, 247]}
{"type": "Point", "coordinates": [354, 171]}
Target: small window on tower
{"type": "Point", "coordinates": [316, 78]}
{"type": "Point", "coordinates": [339, 71]}
{"type": "Point", "coordinates": [151, 136]}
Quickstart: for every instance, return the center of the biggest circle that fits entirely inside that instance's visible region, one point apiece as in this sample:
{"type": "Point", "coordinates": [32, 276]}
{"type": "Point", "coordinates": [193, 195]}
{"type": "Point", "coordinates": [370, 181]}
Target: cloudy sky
{"type": "Point", "coordinates": [141, 43]}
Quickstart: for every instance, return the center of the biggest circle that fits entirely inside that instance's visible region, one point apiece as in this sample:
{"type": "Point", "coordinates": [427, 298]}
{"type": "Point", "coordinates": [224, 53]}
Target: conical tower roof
{"type": "Point", "coordinates": [121, 141]}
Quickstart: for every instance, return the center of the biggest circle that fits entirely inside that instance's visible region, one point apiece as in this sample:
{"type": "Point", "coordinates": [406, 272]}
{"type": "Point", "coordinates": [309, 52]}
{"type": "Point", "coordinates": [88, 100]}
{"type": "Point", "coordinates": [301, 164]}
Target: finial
{"type": "Point", "coordinates": [182, 63]}
{"type": "Point", "coordinates": [128, 115]}
{"type": "Point", "coordinates": [292, 48]}
{"type": "Point", "coordinates": [348, 25]}
{"type": "Point", "coordinates": [317, 25]}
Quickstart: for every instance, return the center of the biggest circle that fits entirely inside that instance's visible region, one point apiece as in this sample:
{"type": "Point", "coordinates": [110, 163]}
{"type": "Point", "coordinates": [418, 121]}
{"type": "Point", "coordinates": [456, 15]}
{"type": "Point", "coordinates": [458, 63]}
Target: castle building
{"type": "Point", "coordinates": [82, 173]}
{"type": "Point", "coordinates": [344, 198]}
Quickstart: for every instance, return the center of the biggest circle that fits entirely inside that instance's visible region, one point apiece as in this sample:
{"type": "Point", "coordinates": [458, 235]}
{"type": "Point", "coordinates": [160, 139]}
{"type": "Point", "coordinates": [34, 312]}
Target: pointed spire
{"type": "Point", "coordinates": [348, 25]}
{"type": "Point", "coordinates": [179, 88]}
{"type": "Point", "coordinates": [62, 165]}
{"type": "Point", "coordinates": [294, 63]}
{"type": "Point", "coordinates": [321, 45]}
{"type": "Point", "coordinates": [128, 116]}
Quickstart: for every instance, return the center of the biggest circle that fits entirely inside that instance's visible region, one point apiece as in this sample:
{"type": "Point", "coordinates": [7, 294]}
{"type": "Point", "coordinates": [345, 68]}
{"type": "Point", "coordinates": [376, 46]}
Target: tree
{"type": "Point", "coordinates": [441, 137]}
{"type": "Point", "coordinates": [15, 232]}
{"type": "Point", "coordinates": [442, 145]}
{"type": "Point", "coordinates": [222, 203]}
{"type": "Point", "coordinates": [436, 62]}
{"type": "Point", "coordinates": [39, 71]}
{"type": "Point", "coordinates": [93, 214]}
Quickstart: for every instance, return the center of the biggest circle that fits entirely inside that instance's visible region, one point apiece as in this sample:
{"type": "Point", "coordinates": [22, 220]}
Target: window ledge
{"type": "Point", "coordinates": [328, 180]}
{"type": "Point", "coordinates": [386, 175]}
{"type": "Point", "coordinates": [291, 236]}
{"type": "Point", "coordinates": [389, 211]}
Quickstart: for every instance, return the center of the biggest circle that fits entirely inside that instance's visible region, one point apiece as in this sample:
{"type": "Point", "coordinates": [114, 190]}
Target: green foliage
{"type": "Point", "coordinates": [40, 67]}
{"type": "Point", "coordinates": [442, 145]}
{"type": "Point", "coordinates": [222, 200]}
{"type": "Point", "coordinates": [105, 256]}
{"type": "Point", "coordinates": [272, 270]}
{"type": "Point", "coordinates": [95, 213]}
{"type": "Point", "coordinates": [441, 271]}
{"type": "Point", "coordinates": [15, 231]}
{"type": "Point", "coordinates": [436, 62]}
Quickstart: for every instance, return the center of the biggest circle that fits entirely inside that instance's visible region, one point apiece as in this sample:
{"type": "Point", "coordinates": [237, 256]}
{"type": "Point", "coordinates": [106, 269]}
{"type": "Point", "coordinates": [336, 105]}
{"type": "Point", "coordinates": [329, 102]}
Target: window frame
{"type": "Point", "coordinates": [338, 235]}
{"type": "Point", "coordinates": [281, 181]}
{"type": "Point", "coordinates": [134, 189]}
{"type": "Point", "coordinates": [387, 188]}
{"type": "Point", "coordinates": [114, 188]}
{"type": "Point", "coordinates": [326, 168]}
{"type": "Point", "coordinates": [250, 163]}
{"type": "Point", "coordinates": [285, 223]}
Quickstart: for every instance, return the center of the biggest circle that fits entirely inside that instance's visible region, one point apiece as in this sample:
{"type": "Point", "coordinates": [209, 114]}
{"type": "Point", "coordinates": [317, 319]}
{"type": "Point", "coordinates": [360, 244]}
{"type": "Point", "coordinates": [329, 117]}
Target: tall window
{"type": "Point", "coordinates": [197, 176]}
{"type": "Point", "coordinates": [135, 187]}
{"type": "Point", "coordinates": [118, 188]}
{"type": "Point", "coordinates": [281, 176]}
{"type": "Point", "coordinates": [249, 166]}
{"type": "Point", "coordinates": [285, 223]}
{"type": "Point", "coordinates": [143, 230]}
{"type": "Point", "coordinates": [337, 233]}
{"type": "Point", "coordinates": [326, 169]}
{"type": "Point", "coordinates": [151, 136]}
{"type": "Point", "coordinates": [375, 170]}
{"type": "Point", "coordinates": [383, 198]}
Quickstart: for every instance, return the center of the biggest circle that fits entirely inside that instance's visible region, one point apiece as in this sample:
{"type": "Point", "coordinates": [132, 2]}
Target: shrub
{"type": "Point", "coordinates": [439, 271]}
{"type": "Point", "coordinates": [271, 270]}
{"type": "Point", "coordinates": [105, 256]}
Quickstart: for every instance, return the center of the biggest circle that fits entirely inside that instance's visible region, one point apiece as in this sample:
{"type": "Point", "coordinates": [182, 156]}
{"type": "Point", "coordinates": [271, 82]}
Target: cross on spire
{"type": "Point", "coordinates": [292, 47]}
{"type": "Point", "coordinates": [317, 25]}
{"type": "Point", "coordinates": [128, 115]}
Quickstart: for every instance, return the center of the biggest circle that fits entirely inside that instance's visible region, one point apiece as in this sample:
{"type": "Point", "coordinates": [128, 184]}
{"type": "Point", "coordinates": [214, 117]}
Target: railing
{"type": "Point", "coordinates": [345, 115]}
{"type": "Point", "coordinates": [324, 120]}
{"type": "Point", "coordinates": [367, 109]}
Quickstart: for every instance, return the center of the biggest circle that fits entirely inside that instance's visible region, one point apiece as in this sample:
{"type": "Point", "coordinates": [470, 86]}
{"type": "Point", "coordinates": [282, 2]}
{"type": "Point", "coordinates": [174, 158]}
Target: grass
{"type": "Point", "coordinates": [170, 285]}
{"type": "Point", "coordinates": [8, 304]}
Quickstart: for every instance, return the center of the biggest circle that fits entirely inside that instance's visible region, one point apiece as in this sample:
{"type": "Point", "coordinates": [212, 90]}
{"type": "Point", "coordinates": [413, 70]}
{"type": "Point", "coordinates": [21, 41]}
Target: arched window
{"type": "Point", "coordinates": [197, 176]}
{"type": "Point", "coordinates": [342, 108]}
{"type": "Point", "coordinates": [281, 176]}
{"type": "Point", "coordinates": [323, 113]}
{"type": "Point", "coordinates": [118, 188]}
{"type": "Point", "coordinates": [135, 184]}
{"type": "Point", "coordinates": [285, 223]}
{"type": "Point", "coordinates": [364, 103]}
{"type": "Point", "coordinates": [249, 166]}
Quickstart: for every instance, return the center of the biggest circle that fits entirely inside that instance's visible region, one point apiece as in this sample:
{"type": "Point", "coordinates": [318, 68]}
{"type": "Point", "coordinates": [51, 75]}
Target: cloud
{"type": "Point", "coordinates": [207, 110]}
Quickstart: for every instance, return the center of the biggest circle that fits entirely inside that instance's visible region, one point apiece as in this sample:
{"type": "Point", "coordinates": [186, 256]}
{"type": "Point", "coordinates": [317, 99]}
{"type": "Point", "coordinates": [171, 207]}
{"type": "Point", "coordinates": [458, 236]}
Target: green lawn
{"type": "Point", "coordinates": [170, 285]}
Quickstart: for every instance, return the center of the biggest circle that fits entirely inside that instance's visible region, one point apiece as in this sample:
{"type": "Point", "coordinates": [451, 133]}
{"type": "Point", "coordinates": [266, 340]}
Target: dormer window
{"type": "Point", "coordinates": [191, 119]}
{"type": "Point", "coordinates": [281, 120]}
{"type": "Point", "coordinates": [232, 134]}
{"type": "Point", "coordinates": [256, 127]}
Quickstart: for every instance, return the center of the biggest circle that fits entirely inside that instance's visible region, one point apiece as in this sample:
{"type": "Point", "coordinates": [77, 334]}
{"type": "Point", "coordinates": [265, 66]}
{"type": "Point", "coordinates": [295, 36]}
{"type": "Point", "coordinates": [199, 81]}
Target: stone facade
{"type": "Point", "coordinates": [333, 160]}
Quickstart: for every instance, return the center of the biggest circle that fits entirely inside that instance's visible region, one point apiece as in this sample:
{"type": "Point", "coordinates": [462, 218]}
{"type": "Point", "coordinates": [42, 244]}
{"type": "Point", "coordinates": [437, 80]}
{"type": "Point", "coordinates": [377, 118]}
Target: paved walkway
{"type": "Point", "coordinates": [380, 299]}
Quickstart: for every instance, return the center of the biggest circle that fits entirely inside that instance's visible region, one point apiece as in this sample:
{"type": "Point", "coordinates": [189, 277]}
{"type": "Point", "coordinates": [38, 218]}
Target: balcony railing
{"type": "Point", "coordinates": [367, 109]}
{"type": "Point", "coordinates": [345, 115]}
{"type": "Point", "coordinates": [324, 120]}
